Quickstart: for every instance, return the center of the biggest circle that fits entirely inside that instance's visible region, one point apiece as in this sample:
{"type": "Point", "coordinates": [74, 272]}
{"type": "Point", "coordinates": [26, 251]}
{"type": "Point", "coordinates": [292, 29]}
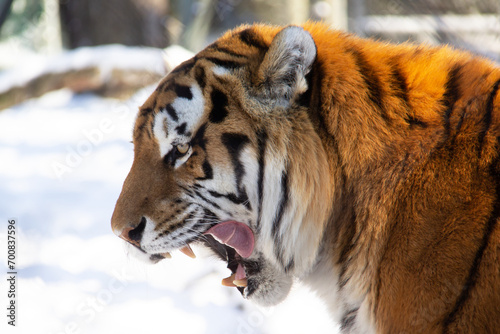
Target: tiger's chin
{"type": "Point", "coordinates": [256, 278]}
{"type": "Point", "coordinates": [269, 287]}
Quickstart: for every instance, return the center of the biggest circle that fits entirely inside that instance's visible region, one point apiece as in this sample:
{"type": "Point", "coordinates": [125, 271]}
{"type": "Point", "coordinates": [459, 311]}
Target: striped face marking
{"type": "Point", "coordinates": [219, 175]}
{"type": "Point", "coordinates": [175, 122]}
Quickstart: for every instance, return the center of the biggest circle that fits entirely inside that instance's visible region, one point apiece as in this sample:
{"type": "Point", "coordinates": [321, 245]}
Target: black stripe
{"type": "Point", "coordinates": [242, 199]}
{"type": "Point", "coordinates": [228, 64]}
{"type": "Point", "coordinates": [183, 91]}
{"type": "Point", "coordinates": [171, 111]}
{"type": "Point", "coordinates": [146, 111]}
{"type": "Point", "coordinates": [234, 142]}
{"type": "Point", "coordinates": [399, 84]}
{"type": "Point", "coordinates": [171, 228]}
{"type": "Point", "coordinates": [289, 266]}
{"type": "Point", "coordinates": [246, 202]}
{"type": "Point", "coordinates": [413, 121]}
{"type": "Point", "coordinates": [349, 240]}
{"type": "Point", "coordinates": [400, 88]}
{"type": "Point", "coordinates": [208, 215]}
{"type": "Point", "coordinates": [282, 204]}
{"type": "Point", "coordinates": [250, 38]}
{"type": "Point", "coordinates": [348, 319]}
{"type": "Point", "coordinates": [162, 86]}
{"type": "Point", "coordinates": [206, 200]}
{"type": "Point", "coordinates": [487, 116]}
{"type": "Point", "coordinates": [276, 227]}
{"type": "Point", "coordinates": [229, 52]}
{"type": "Point", "coordinates": [141, 127]}
{"type": "Point", "coordinates": [372, 81]}
{"type": "Point", "coordinates": [181, 129]}
{"type": "Point", "coordinates": [261, 143]}
{"type": "Point", "coordinates": [451, 95]}
{"type": "Point", "coordinates": [215, 194]}
{"type": "Point", "coordinates": [473, 273]}
{"type": "Point", "coordinates": [200, 76]}
{"type": "Point", "coordinates": [219, 104]}
{"type": "Point", "coordinates": [150, 129]}
{"type": "Point", "coordinates": [488, 231]}
{"type": "Point", "coordinates": [199, 137]}
{"type": "Point", "coordinates": [187, 191]}
{"type": "Point", "coordinates": [458, 127]}
{"type": "Point", "coordinates": [149, 114]}
{"type": "Point", "coordinates": [170, 158]}
{"type": "Point", "coordinates": [231, 196]}
{"type": "Point", "coordinates": [350, 235]}
{"type": "Point", "coordinates": [185, 66]}
{"type": "Point", "coordinates": [207, 170]}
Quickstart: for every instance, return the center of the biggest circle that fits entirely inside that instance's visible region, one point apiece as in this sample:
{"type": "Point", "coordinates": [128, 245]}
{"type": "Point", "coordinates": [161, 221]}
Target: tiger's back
{"type": "Point", "coordinates": [368, 170]}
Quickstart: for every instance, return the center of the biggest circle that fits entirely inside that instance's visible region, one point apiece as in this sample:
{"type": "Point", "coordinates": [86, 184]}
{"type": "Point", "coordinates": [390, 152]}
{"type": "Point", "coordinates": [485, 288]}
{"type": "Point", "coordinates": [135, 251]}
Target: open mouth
{"type": "Point", "coordinates": [233, 242]}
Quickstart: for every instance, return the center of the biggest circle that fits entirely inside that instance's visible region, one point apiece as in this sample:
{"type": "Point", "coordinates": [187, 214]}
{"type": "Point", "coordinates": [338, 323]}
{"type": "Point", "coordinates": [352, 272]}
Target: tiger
{"type": "Point", "coordinates": [367, 171]}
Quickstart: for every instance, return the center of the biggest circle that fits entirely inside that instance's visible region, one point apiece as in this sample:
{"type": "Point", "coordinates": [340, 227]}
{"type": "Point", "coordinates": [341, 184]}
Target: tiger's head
{"type": "Point", "coordinates": [226, 154]}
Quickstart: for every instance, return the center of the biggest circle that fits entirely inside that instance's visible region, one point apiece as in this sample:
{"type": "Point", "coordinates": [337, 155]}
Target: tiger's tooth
{"type": "Point", "coordinates": [166, 255]}
{"type": "Point", "coordinates": [188, 251]}
{"type": "Point", "coordinates": [240, 282]}
{"type": "Point", "coordinates": [228, 281]}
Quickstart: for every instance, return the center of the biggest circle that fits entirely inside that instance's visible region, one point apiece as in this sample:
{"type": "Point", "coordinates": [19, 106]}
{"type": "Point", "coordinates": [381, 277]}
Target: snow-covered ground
{"type": "Point", "coordinates": [63, 159]}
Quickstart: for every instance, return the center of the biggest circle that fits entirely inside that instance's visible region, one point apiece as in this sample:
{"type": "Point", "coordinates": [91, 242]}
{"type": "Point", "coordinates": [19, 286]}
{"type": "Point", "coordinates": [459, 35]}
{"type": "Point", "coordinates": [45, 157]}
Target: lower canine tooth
{"type": "Point", "coordinates": [228, 281]}
{"type": "Point", "coordinates": [240, 282]}
{"type": "Point", "coordinates": [166, 255]}
{"type": "Point", "coordinates": [188, 251]}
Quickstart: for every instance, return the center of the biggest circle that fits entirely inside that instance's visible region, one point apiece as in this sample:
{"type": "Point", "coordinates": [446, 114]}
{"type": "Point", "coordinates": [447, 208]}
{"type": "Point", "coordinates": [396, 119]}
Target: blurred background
{"type": "Point", "coordinates": [72, 75]}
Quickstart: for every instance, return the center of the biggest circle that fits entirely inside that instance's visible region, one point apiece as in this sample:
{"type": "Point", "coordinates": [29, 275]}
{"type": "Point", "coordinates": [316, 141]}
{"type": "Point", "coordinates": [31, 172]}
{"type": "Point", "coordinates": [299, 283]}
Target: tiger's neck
{"type": "Point", "coordinates": [361, 125]}
{"type": "Point", "coordinates": [380, 111]}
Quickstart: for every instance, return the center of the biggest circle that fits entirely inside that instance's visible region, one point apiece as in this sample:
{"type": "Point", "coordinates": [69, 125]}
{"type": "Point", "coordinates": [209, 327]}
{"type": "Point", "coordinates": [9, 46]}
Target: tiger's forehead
{"type": "Point", "coordinates": [174, 111]}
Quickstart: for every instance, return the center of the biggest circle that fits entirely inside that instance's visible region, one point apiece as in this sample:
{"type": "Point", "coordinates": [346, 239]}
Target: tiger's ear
{"type": "Point", "coordinates": [281, 75]}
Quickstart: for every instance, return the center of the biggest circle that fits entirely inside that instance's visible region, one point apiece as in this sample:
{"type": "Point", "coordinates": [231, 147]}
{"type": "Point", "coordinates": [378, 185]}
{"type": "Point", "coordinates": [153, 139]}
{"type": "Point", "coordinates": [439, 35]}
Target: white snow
{"type": "Point", "coordinates": [63, 159]}
{"type": "Point", "coordinates": [105, 57]}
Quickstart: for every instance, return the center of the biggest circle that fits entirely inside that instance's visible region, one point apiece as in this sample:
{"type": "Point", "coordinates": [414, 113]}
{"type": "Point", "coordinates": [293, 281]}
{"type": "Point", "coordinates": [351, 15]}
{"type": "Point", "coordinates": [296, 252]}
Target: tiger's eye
{"type": "Point", "coordinates": [183, 148]}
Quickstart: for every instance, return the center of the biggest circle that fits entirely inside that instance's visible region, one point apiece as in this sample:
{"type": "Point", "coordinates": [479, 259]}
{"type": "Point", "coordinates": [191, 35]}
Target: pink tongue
{"type": "Point", "coordinates": [236, 235]}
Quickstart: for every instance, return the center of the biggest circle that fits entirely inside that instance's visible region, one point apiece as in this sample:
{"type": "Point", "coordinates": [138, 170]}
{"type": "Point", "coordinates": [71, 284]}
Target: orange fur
{"type": "Point", "coordinates": [403, 142]}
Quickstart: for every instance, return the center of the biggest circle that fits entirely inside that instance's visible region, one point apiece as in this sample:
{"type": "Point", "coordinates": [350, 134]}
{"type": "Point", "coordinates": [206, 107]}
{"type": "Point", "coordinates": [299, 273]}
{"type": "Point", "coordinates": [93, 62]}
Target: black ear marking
{"type": "Point", "coordinates": [200, 76]}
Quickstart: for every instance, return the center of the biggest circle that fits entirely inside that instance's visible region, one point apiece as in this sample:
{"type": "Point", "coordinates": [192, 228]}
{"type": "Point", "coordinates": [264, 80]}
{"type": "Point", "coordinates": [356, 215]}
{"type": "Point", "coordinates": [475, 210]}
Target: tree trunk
{"type": "Point", "coordinates": [127, 22]}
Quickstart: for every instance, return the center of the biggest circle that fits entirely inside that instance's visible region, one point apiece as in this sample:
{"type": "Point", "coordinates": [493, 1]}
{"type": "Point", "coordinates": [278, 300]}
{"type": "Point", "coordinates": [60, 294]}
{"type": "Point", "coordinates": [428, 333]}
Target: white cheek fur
{"type": "Point", "coordinates": [164, 142]}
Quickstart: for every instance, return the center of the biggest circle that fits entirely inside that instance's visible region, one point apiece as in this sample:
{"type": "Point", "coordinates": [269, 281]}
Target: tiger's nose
{"type": "Point", "coordinates": [133, 235]}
